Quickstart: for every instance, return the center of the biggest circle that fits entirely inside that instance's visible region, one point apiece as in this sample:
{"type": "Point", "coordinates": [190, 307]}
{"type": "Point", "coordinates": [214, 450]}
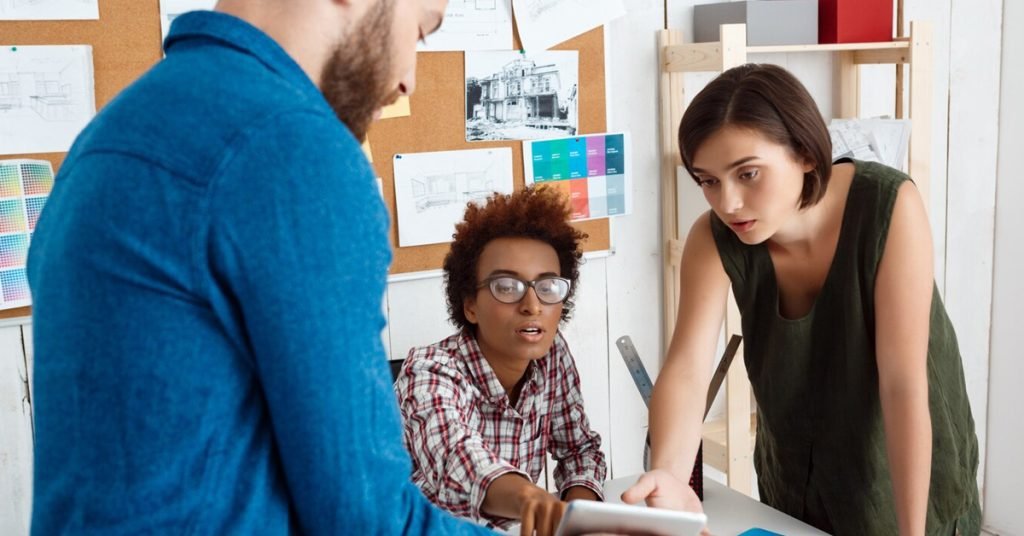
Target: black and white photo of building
{"type": "Point", "coordinates": [513, 96]}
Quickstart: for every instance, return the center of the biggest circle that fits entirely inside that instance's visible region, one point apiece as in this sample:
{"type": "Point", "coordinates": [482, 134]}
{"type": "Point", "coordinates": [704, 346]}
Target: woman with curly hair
{"type": "Point", "coordinates": [483, 407]}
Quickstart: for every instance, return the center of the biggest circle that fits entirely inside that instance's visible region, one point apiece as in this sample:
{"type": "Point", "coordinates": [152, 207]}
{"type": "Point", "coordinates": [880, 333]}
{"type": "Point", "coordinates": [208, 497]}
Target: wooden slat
{"type": "Point", "coordinates": [734, 45]}
{"type": "Point", "coordinates": [847, 86]}
{"type": "Point", "coordinates": [921, 72]}
{"type": "Point", "coordinates": [671, 98]}
{"type": "Point", "coordinates": [691, 57]}
{"type": "Point", "coordinates": [714, 435]}
{"type": "Point", "coordinates": [886, 56]}
{"type": "Point", "coordinates": [835, 47]}
{"type": "Point", "coordinates": [900, 75]}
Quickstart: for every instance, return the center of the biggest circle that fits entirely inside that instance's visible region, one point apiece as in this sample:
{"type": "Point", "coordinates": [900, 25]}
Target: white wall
{"type": "Point", "coordinates": [15, 430]}
{"type": "Point", "coordinates": [1005, 472]}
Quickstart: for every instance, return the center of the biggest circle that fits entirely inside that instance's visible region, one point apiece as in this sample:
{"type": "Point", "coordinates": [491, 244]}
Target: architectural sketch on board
{"type": "Point", "coordinates": [473, 25]}
{"type": "Point", "coordinates": [515, 96]}
{"type": "Point", "coordinates": [432, 189]}
{"type": "Point", "coordinates": [545, 23]}
{"type": "Point", "coordinates": [49, 9]}
{"type": "Point", "coordinates": [46, 97]}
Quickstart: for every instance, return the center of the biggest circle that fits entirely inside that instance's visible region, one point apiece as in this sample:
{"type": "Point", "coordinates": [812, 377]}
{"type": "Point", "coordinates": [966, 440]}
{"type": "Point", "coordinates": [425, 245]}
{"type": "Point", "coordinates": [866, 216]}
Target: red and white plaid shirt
{"type": "Point", "coordinates": [463, 433]}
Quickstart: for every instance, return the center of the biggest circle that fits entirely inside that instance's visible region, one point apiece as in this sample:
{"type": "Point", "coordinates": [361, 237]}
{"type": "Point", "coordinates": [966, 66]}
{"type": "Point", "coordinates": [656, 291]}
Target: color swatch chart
{"type": "Point", "coordinates": [24, 187]}
{"type": "Point", "coordinates": [591, 171]}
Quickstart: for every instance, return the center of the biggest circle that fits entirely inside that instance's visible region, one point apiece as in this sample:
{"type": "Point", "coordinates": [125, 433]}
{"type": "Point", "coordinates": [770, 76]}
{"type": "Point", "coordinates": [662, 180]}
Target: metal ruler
{"type": "Point", "coordinates": [636, 368]}
{"type": "Point", "coordinates": [643, 380]}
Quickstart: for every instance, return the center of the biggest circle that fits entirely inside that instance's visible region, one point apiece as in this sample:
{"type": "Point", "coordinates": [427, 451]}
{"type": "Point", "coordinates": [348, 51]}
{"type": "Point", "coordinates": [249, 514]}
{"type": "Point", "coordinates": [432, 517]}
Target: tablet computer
{"type": "Point", "coordinates": [589, 517]}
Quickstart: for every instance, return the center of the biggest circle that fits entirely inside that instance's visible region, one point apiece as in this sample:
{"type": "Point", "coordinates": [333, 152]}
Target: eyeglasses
{"type": "Point", "coordinates": [510, 289]}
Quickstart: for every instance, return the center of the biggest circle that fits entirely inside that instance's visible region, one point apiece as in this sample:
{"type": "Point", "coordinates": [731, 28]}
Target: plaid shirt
{"type": "Point", "coordinates": [463, 433]}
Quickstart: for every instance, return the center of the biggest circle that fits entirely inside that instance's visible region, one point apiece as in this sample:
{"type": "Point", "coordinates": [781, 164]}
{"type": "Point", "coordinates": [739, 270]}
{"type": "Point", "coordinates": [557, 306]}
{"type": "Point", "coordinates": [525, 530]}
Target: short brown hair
{"type": "Point", "coordinates": [537, 213]}
{"type": "Point", "coordinates": [767, 99]}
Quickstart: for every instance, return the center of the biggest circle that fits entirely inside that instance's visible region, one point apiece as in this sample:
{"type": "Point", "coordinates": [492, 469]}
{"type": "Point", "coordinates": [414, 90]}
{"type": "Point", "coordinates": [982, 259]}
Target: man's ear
{"type": "Point", "coordinates": [469, 309]}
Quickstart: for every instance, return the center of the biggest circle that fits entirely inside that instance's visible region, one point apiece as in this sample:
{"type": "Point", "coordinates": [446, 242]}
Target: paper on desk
{"type": "Point", "coordinates": [24, 188]}
{"type": "Point", "coordinates": [432, 189]}
{"type": "Point", "coordinates": [545, 23]}
{"type": "Point", "coordinates": [49, 10]}
{"type": "Point", "coordinates": [473, 25]}
{"type": "Point", "coordinates": [47, 97]}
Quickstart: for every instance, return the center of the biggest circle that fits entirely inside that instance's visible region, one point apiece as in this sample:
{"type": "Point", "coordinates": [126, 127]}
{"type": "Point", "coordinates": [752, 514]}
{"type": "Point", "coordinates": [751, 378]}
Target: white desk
{"type": "Point", "coordinates": [729, 512]}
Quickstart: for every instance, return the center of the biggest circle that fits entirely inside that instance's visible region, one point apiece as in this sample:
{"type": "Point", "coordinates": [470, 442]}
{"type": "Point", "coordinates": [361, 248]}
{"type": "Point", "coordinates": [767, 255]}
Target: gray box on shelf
{"type": "Point", "coordinates": [769, 22]}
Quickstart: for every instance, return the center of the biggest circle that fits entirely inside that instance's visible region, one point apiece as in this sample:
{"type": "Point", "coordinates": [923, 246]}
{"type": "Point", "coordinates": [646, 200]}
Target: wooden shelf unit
{"type": "Point", "coordinates": [730, 442]}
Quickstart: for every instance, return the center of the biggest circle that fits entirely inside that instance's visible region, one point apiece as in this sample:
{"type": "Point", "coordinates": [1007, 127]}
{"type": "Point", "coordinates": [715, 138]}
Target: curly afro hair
{"type": "Point", "coordinates": [537, 213]}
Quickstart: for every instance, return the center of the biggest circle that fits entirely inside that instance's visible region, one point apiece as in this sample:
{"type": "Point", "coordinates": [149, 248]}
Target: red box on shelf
{"type": "Point", "coordinates": [854, 21]}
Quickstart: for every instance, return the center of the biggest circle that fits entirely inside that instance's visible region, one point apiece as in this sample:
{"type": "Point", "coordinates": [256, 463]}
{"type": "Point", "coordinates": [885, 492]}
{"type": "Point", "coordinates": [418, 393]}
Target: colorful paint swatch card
{"type": "Point", "coordinates": [24, 187]}
{"type": "Point", "coordinates": [593, 172]}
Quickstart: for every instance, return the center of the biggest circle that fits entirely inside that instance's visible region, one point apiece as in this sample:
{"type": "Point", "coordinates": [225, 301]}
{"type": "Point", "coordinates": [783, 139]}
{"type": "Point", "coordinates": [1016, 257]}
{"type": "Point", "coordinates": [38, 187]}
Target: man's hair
{"type": "Point", "coordinates": [536, 213]}
{"type": "Point", "coordinates": [771, 101]}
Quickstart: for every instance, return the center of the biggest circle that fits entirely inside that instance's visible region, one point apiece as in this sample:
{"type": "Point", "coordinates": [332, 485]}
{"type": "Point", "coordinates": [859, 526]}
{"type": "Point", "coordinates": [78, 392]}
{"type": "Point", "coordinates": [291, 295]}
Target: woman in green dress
{"type": "Point", "coordinates": [864, 426]}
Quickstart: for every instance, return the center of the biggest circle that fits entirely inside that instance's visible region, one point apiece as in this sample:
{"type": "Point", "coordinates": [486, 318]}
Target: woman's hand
{"type": "Point", "coordinates": [660, 489]}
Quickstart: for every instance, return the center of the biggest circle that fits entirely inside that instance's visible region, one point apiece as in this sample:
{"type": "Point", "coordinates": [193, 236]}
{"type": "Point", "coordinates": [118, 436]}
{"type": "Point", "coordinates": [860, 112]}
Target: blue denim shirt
{"type": "Point", "coordinates": [207, 280]}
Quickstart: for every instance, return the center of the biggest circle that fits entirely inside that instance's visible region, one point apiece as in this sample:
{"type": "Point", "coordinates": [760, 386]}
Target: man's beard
{"type": "Point", "coordinates": [355, 79]}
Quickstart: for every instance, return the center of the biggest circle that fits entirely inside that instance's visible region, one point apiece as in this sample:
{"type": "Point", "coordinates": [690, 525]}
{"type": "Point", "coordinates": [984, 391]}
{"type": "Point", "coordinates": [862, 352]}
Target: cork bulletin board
{"type": "Point", "coordinates": [438, 123]}
{"type": "Point", "coordinates": [126, 43]}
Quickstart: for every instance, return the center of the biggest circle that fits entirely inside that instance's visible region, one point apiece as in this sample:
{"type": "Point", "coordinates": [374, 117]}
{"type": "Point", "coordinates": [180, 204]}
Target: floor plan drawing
{"type": "Point", "coordinates": [473, 25]}
{"type": "Point", "coordinates": [46, 97]}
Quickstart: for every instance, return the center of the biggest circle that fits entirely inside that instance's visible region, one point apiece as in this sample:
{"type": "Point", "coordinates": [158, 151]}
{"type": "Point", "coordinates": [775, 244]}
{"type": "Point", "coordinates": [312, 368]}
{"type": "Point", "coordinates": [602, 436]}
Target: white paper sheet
{"type": "Point", "coordinates": [874, 140]}
{"type": "Point", "coordinates": [473, 25]}
{"type": "Point", "coordinates": [169, 9]}
{"type": "Point", "coordinates": [592, 172]}
{"type": "Point", "coordinates": [515, 96]}
{"type": "Point", "coordinates": [545, 23]}
{"type": "Point", "coordinates": [432, 189]}
{"type": "Point", "coordinates": [49, 9]}
{"type": "Point", "coordinates": [47, 96]}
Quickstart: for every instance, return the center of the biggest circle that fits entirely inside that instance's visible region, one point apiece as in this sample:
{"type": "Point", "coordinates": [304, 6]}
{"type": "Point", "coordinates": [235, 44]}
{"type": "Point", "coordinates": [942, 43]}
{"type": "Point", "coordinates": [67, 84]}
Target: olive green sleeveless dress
{"type": "Point", "coordinates": [820, 452]}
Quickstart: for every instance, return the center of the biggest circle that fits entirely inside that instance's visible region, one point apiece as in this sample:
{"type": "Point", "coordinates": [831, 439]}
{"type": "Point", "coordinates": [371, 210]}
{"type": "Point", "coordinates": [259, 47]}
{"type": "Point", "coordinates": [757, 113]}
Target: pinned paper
{"type": "Point", "coordinates": [545, 23]}
{"type": "Point", "coordinates": [592, 172]}
{"type": "Point", "coordinates": [47, 96]}
{"type": "Point", "coordinates": [24, 188]}
{"type": "Point", "coordinates": [367, 151]}
{"type": "Point", "coordinates": [399, 109]}
{"type": "Point", "coordinates": [432, 190]}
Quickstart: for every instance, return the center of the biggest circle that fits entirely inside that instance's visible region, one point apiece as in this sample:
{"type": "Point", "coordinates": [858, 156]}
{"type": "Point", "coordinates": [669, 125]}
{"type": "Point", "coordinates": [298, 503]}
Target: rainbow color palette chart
{"type": "Point", "coordinates": [593, 172]}
{"type": "Point", "coordinates": [24, 187]}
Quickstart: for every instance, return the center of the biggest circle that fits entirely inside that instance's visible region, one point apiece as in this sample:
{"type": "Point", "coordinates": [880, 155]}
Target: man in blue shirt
{"type": "Point", "coordinates": [207, 280]}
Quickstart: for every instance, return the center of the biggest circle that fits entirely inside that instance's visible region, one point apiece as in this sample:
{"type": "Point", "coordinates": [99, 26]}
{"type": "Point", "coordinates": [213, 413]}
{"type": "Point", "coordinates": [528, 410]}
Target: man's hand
{"type": "Point", "coordinates": [660, 489]}
{"type": "Point", "coordinates": [541, 512]}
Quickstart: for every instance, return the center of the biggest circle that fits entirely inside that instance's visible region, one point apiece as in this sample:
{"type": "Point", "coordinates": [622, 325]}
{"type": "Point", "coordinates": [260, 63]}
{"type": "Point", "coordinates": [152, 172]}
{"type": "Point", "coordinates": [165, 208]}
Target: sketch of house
{"type": "Point", "coordinates": [525, 96]}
